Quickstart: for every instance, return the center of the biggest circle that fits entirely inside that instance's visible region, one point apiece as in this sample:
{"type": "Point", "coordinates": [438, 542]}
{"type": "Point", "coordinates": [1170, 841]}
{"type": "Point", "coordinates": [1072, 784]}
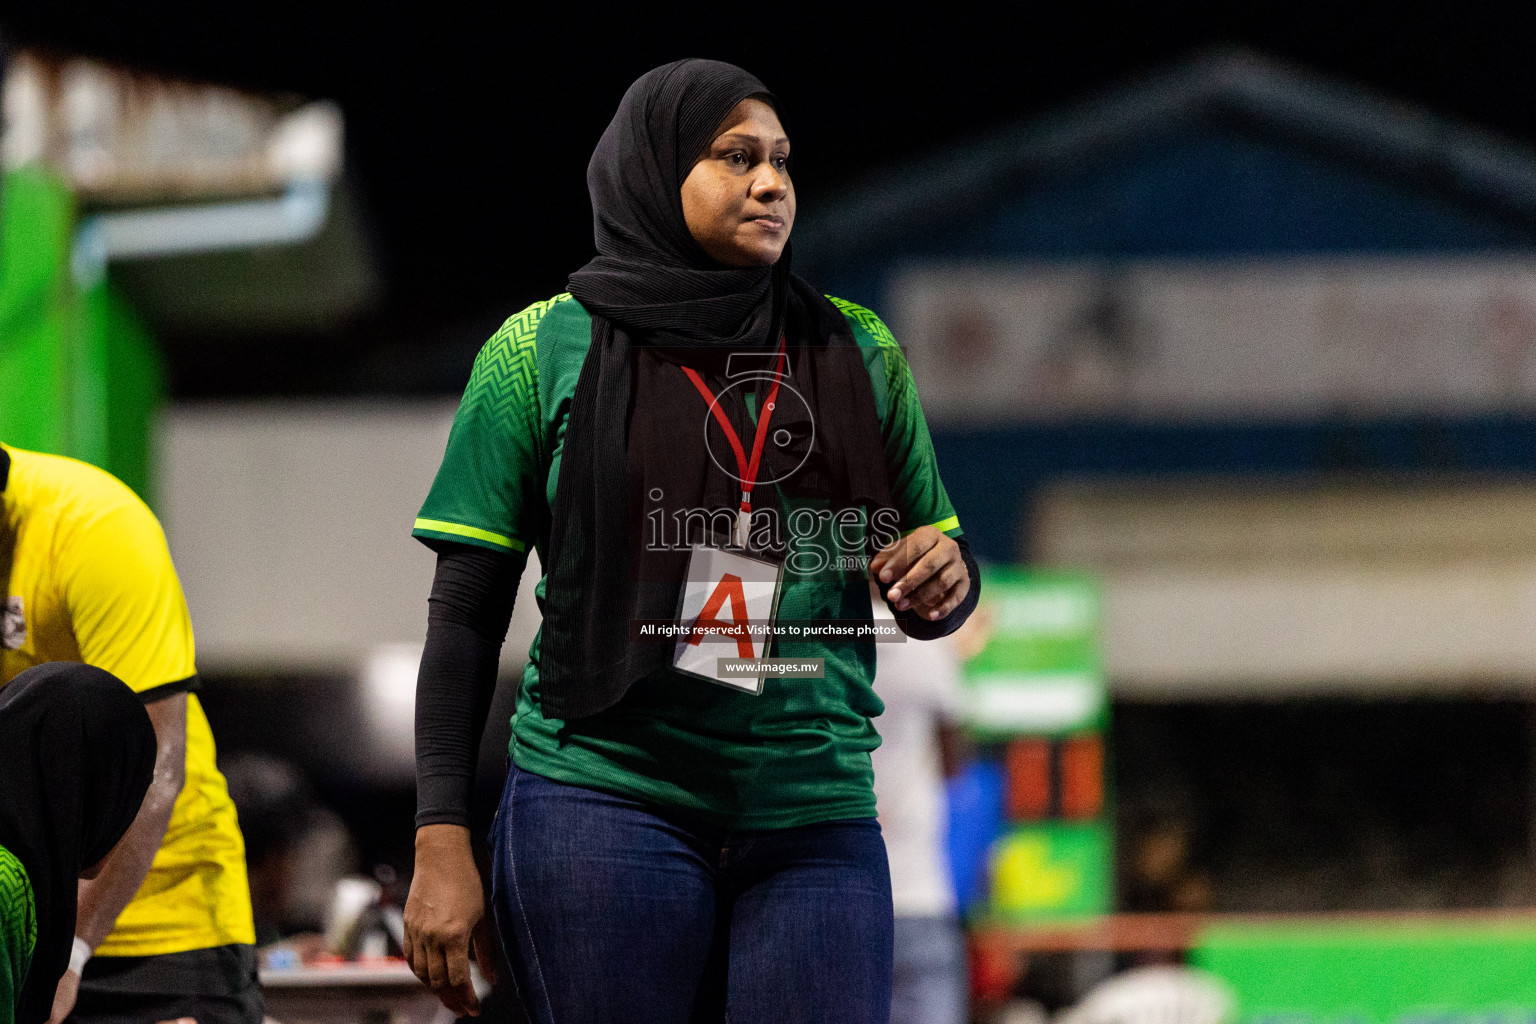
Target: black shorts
{"type": "Point", "coordinates": [216, 985]}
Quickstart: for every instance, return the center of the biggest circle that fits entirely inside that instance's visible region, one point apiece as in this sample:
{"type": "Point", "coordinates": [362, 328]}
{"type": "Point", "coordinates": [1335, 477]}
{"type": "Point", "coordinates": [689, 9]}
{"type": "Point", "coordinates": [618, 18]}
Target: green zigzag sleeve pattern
{"type": "Point", "coordinates": [504, 383]}
{"type": "Point", "coordinates": [18, 915]}
{"type": "Point", "coordinates": [897, 373]}
{"type": "Point", "coordinates": [490, 477]}
{"type": "Point", "coordinates": [915, 484]}
{"type": "Point", "coordinates": [18, 929]}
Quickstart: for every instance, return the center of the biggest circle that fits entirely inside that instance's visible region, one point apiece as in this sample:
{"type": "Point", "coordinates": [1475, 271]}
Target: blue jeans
{"type": "Point", "coordinates": [614, 910]}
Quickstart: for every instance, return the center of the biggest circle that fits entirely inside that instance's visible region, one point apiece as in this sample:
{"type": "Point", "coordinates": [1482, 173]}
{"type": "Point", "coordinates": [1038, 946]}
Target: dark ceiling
{"type": "Point", "coordinates": [469, 125]}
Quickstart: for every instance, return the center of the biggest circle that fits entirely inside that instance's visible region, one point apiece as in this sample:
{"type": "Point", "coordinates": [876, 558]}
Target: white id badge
{"type": "Point", "coordinates": [729, 603]}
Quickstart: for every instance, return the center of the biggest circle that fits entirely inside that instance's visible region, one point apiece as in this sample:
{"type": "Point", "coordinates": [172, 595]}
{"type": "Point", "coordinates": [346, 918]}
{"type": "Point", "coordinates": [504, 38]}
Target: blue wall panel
{"type": "Point", "coordinates": [1199, 194]}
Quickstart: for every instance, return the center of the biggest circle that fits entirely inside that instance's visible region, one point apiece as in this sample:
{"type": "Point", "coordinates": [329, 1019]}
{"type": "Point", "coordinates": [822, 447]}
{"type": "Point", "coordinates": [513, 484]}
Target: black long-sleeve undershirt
{"type": "Point", "coordinates": [467, 619]}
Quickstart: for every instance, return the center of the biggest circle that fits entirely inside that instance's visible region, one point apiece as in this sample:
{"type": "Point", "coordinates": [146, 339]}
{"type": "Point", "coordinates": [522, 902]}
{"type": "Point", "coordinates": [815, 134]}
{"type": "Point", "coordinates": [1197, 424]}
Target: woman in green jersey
{"type": "Point", "coordinates": [711, 458]}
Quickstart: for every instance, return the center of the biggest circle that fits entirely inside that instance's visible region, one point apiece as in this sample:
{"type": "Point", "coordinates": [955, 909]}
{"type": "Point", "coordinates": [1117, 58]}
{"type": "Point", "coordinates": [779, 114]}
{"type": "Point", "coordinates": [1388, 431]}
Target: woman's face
{"type": "Point", "coordinates": [738, 200]}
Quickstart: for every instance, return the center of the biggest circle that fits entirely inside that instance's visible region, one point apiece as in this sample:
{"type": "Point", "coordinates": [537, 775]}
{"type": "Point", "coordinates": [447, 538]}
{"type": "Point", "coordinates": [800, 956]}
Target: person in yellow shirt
{"type": "Point", "coordinates": [165, 930]}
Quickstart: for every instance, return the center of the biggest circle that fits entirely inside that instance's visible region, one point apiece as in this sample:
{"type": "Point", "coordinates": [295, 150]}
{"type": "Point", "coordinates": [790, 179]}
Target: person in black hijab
{"type": "Point", "coordinates": [658, 298]}
{"type": "Point", "coordinates": [78, 753]}
{"type": "Point", "coordinates": [613, 906]}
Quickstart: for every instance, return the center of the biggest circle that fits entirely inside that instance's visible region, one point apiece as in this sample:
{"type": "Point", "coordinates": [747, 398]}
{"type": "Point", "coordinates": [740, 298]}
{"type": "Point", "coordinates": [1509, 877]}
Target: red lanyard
{"type": "Point", "coordinates": [748, 469]}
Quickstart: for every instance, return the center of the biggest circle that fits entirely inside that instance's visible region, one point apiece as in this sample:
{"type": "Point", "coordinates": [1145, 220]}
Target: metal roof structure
{"type": "Point", "coordinates": [1227, 91]}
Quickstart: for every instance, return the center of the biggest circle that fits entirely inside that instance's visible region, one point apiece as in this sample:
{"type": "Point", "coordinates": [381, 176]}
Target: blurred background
{"type": "Point", "coordinates": [1224, 320]}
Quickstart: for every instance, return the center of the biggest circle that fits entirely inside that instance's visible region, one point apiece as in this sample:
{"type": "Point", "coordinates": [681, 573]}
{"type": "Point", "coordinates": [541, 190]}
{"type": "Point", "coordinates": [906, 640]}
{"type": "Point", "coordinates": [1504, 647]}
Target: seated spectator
{"type": "Point", "coordinates": [79, 753]}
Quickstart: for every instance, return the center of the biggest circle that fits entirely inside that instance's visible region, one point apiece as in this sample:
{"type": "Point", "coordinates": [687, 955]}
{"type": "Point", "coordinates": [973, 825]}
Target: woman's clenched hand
{"type": "Point", "coordinates": [922, 572]}
{"type": "Point", "coordinates": [444, 913]}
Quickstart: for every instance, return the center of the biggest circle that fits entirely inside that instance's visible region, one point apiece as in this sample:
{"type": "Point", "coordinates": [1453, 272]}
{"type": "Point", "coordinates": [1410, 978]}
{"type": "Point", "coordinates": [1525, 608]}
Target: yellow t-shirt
{"type": "Point", "coordinates": [86, 576]}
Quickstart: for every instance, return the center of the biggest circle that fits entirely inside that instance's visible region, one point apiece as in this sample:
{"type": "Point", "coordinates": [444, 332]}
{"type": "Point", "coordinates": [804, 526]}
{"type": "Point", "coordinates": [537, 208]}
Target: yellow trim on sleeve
{"type": "Point", "coordinates": [457, 530]}
{"type": "Point", "coordinates": [943, 525]}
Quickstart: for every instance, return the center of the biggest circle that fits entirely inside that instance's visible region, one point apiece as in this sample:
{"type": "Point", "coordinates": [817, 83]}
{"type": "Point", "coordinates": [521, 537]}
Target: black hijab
{"type": "Point", "coordinates": [657, 301]}
{"type": "Point", "coordinates": [77, 752]}
{"type": "Point", "coordinates": [649, 273]}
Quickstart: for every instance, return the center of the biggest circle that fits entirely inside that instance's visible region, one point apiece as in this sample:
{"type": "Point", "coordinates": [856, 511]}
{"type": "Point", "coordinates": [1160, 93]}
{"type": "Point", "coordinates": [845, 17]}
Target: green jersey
{"type": "Point", "coordinates": [796, 753]}
{"type": "Point", "coordinates": [18, 932]}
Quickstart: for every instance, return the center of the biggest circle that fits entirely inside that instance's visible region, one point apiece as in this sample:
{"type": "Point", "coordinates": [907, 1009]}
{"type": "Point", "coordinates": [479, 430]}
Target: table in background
{"type": "Point", "coordinates": [349, 994]}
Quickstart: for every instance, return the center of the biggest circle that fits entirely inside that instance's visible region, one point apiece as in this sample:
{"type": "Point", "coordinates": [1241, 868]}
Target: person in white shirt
{"type": "Point", "coordinates": [920, 685]}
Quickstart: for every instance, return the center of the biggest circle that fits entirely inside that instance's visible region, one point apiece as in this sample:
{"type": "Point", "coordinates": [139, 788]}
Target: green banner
{"type": "Point", "coordinates": [1425, 972]}
{"type": "Point", "coordinates": [1036, 690]}
{"type": "Point", "coordinates": [79, 374]}
{"type": "Point", "coordinates": [1040, 673]}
